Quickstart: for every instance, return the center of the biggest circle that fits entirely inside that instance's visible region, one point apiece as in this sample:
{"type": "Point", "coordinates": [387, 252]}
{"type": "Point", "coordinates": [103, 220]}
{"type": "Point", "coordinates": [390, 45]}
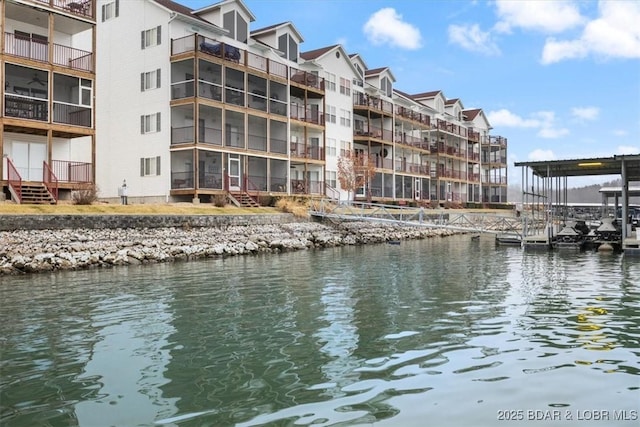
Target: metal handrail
{"type": "Point", "coordinates": [50, 181]}
{"type": "Point", "coordinates": [14, 180]}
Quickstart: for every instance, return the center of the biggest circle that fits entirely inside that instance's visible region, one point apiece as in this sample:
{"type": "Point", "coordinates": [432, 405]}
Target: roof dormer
{"type": "Point", "coordinates": [232, 15]}
{"type": "Point", "coordinates": [454, 107]}
{"type": "Point", "coordinates": [283, 37]}
{"type": "Point", "coordinates": [381, 79]}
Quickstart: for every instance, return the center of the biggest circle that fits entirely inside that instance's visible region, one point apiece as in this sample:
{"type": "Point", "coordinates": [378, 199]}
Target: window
{"type": "Point", "coordinates": [288, 45]}
{"type": "Point", "coordinates": [330, 82]}
{"type": "Point", "coordinates": [330, 116]}
{"type": "Point", "coordinates": [151, 37]}
{"type": "Point", "coordinates": [150, 166]}
{"type": "Point", "coordinates": [236, 25]}
{"type": "Point", "coordinates": [345, 147]}
{"type": "Point", "coordinates": [345, 86]}
{"type": "Point", "coordinates": [331, 146]}
{"type": "Point", "coordinates": [331, 179]}
{"type": "Point", "coordinates": [385, 86]}
{"type": "Point", "coordinates": [345, 118]}
{"type": "Point", "coordinates": [150, 80]}
{"type": "Point", "coordinates": [110, 10]}
{"type": "Point", "coordinates": [150, 123]}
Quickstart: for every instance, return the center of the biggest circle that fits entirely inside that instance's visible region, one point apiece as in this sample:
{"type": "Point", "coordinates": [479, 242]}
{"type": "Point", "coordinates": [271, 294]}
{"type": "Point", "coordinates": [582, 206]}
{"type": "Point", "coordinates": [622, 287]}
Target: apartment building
{"type": "Point", "coordinates": [192, 105]}
{"type": "Point", "coordinates": [204, 107]}
{"type": "Point", "coordinates": [47, 67]}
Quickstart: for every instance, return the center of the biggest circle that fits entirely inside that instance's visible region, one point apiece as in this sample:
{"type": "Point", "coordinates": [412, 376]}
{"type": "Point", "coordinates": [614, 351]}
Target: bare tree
{"type": "Point", "coordinates": [355, 169]}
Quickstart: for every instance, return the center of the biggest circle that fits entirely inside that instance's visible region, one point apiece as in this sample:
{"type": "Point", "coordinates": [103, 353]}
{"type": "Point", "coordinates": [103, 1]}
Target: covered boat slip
{"type": "Point", "coordinates": [544, 193]}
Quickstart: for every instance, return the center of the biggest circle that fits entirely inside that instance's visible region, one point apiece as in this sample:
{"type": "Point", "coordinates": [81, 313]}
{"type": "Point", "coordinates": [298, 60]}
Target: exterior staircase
{"type": "Point", "coordinates": [36, 193]}
{"type": "Point", "coordinates": [243, 200]}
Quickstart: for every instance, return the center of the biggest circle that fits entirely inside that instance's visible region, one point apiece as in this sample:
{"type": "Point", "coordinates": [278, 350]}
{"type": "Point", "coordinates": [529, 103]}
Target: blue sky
{"type": "Point", "coordinates": [559, 79]}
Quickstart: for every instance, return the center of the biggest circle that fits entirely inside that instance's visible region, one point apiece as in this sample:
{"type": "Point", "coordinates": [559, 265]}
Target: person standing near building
{"type": "Point", "coordinates": [124, 193]}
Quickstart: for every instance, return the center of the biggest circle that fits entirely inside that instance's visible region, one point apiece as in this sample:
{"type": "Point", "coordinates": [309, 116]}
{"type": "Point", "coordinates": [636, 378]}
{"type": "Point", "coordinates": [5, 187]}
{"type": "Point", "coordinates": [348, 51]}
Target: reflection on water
{"type": "Point", "coordinates": [450, 329]}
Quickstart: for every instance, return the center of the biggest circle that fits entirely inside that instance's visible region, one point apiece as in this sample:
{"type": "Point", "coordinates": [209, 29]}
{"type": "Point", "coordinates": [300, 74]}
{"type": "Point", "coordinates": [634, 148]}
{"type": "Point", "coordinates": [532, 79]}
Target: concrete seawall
{"type": "Point", "coordinates": [62, 222]}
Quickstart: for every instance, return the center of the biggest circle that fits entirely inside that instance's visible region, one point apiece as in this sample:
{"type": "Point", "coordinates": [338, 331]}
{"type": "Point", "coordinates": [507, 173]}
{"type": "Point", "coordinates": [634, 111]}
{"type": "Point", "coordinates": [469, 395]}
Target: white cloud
{"type": "Point", "coordinates": [387, 26]}
{"type": "Point", "coordinates": [541, 155]}
{"type": "Point", "coordinates": [614, 34]}
{"type": "Point", "coordinates": [506, 118]}
{"type": "Point", "coordinates": [620, 132]}
{"type": "Point", "coordinates": [627, 149]}
{"type": "Point", "coordinates": [539, 15]}
{"type": "Point", "coordinates": [585, 113]}
{"type": "Point", "coordinates": [548, 130]}
{"type": "Point", "coordinates": [471, 38]}
{"type": "Point", "coordinates": [544, 121]}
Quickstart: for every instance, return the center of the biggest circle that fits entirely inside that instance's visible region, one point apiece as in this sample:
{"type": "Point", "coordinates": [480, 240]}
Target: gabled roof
{"type": "Point", "coordinates": [317, 53]}
{"type": "Point", "coordinates": [274, 27]}
{"type": "Point", "coordinates": [378, 71]}
{"type": "Point", "coordinates": [357, 57]}
{"type": "Point", "coordinates": [187, 14]}
{"type": "Point", "coordinates": [176, 7]}
{"type": "Point", "coordinates": [451, 101]}
{"type": "Point", "coordinates": [426, 95]}
{"type": "Point", "coordinates": [470, 115]}
{"type": "Point", "coordinates": [218, 5]}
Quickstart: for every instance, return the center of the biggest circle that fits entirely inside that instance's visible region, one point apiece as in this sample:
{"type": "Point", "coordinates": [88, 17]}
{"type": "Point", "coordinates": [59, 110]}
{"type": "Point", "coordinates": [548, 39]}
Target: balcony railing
{"type": "Point", "coordinates": [306, 79]}
{"type": "Point", "coordinates": [181, 180]}
{"type": "Point", "coordinates": [77, 7]}
{"type": "Point", "coordinates": [50, 180]}
{"type": "Point", "coordinates": [228, 52]}
{"type": "Point", "coordinates": [498, 140]}
{"type": "Point", "coordinates": [300, 186]}
{"type": "Point", "coordinates": [307, 152]}
{"type": "Point", "coordinates": [278, 145]}
{"type": "Point", "coordinates": [37, 50]}
{"type": "Point", "coordinates": [451, 128]}
{"type": "Point", "coordinates": [372, 102]}
{"type": "Point", "coordinates": [70, 171]}
{"type": "Point", "coordinates": [25, 107]}
{"type": "Point", "coordinates": [414, 141]}
{"type": "Point", "coordinates": [71, 114]}
{"type": "Point", "coordinates": [305, 114]}
{"type": "Point", "coordinates": [14, 180]}
{"type": "Point", "coordinates": [413, 115]}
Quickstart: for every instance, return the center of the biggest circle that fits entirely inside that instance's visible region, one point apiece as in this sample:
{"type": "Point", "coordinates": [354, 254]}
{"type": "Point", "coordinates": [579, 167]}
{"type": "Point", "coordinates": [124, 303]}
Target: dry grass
{"type": "Point", "coordinates": [9, 208]}
{"type": "Point", "coordinates": [299, 208]}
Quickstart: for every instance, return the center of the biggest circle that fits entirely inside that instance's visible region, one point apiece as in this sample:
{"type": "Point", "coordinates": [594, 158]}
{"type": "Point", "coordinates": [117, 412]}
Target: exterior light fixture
{"type": "Point", "coordinates": [589, 164]}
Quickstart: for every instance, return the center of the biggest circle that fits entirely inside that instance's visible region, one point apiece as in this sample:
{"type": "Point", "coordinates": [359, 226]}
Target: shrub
{"type": "Point", "coordinates": [219, 200]}
{"type": "Point", "coordinates": [86, 194]}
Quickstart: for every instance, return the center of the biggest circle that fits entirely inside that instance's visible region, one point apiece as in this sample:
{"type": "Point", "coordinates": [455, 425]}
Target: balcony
{"type": "Point", "coordinates": [306, 114]}
{"type": "Point", "coordinates": [413, 115]}
{"type": "Point", "coordinates": [304, 78]}
{"type": "Point", "coordinates": [71, 114]}
{"type": "Point", "coordinates": [303, 151]}
{"type": "Point", "coordinates": [82, 8]}
{"type": "Point", "coordinates": [37, 50]}
{"type": "Point", "coordinates": [70, 171]}
{"type": "Point", "coordinates": [227, 52]}
{"type": "Point", "coordinates": [372, 103]}
{"type": "Point", "coordinates": [26, 107]}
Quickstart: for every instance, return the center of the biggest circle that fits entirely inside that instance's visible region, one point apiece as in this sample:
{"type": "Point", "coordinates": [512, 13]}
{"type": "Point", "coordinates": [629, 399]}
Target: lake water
{"type": "Point", "coordinates": [439, 332]}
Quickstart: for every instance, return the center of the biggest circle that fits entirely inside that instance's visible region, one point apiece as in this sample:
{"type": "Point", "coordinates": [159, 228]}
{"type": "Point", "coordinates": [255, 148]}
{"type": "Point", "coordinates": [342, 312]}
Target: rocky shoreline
{"type": "Point", "coordinates": [35, 251]}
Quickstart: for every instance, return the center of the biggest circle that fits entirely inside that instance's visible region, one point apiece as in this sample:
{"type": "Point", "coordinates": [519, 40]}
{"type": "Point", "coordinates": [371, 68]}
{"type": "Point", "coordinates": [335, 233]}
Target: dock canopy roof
{"type": "Point", "coordinates": [583, 167]}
